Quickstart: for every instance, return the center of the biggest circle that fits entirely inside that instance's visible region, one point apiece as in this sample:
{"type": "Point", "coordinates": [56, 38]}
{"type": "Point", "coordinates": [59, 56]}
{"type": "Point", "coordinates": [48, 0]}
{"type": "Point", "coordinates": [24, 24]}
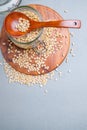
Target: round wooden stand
{"type": "Point", "coordinates": [54, 59]}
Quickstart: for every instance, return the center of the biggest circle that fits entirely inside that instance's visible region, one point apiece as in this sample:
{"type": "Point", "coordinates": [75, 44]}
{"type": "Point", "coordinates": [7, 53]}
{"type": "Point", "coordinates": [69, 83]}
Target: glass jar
{"type": "Point", "coordinates": [5, 7]}
{"type": "Point", "coordinates": [8, 5]}
{"type": "Point", "coordinates": [2, 2]}
{"type": "Point", "coordinates": [29, 40]}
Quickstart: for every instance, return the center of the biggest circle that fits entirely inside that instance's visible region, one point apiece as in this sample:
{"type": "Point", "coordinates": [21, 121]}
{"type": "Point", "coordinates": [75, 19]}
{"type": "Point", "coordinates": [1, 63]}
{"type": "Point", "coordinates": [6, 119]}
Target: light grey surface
{"type": "Point", "coordinates": [64, 107]}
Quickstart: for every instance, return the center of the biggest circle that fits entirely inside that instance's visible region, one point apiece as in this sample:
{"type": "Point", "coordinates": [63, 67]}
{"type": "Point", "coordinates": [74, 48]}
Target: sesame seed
{"type": "Point", "coordinates": [66, 60]}
{"type": "Point", "coordinates": [57, 65]}
{"type": "Point", "coordinates": [15, 76]}
{"type": "Point", "coordinates": [71, 34]}
{"type": "Point", "coordinates": [60, 41]}
{"type": "Point", "coordinates": [73, 43]}
{"type": "Point", "coordinates": [71, 50]}
{"type": "Point", "coordinates": [65, 11]}
{"type": "Point", "coordinates": [69, 71]}
{"type": "Point", "coordinates": [73, 55]}
{"type": "Point", "coordinates": [63, 55]}
{"type": "Point", "coordinates": [22, 25]}
{"type": "Point", "coordinates": [45, 91]}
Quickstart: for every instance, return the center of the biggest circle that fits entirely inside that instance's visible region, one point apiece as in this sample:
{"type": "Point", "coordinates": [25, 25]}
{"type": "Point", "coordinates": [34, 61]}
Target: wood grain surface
{"type": "Point", "coordinates": [54, 59]}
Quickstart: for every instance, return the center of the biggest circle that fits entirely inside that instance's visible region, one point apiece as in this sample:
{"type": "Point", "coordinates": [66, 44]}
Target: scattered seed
{"type": "Point", "coordinates": [57, 65]}
{"type": "Point", "coordinates": [45, 91]}
{"type": "Point", "coordinates": [30, 54]}
{"type": "Point", "coordinates": [65, 11]}
{"type": "Point", "coordinates": [60, 41]}
{"type": "Point", "coordinates": [71, 51]}
{"type": "Point", "coordinates": [15, 76]}
{"type": "Point", "coordinates": [63, 55]}
{"type": "Point", "coordinates": [73, 55]}
{"type": "Point", "coordinates": [66, 60]}
{"type": "Point", "coordinates": [72, 34]}
{"type": "Point", "coordinates": [69, 71]}
{"type": "Point", "coordinates": [73, 43]}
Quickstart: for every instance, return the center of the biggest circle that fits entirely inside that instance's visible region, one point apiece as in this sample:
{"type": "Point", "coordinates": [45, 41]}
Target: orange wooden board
{"type": "Point", "coordinates": [54, 59]}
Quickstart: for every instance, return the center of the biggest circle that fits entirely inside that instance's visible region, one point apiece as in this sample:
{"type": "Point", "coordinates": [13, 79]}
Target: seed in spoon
{"type": "Point", "coordinates": [23, 24]}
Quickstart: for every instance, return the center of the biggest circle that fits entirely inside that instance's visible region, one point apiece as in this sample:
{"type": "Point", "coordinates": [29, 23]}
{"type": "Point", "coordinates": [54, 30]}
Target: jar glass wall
{"type": "Point", "coordinates": [8, 5]}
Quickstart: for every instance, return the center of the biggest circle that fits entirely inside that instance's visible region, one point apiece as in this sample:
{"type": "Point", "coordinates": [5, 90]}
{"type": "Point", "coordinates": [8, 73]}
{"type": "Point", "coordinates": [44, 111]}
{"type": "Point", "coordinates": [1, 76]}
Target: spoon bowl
{"type": "Point", "coordinates": [12, 20]}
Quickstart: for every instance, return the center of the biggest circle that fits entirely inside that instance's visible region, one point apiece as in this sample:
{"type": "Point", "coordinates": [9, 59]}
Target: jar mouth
{"type": "Point", "coordinates": [28, 8]}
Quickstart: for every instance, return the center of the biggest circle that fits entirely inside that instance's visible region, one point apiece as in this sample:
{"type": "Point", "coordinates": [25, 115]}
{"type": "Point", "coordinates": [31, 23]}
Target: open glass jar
{"type": "Point", "coordinates": [29, 40]}
{"type": "Point", "coordinates": [8, 5]}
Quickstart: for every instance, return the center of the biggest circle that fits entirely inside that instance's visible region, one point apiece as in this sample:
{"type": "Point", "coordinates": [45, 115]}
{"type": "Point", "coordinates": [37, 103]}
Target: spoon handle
{"type": "Point", "coordinates": [62, 24]}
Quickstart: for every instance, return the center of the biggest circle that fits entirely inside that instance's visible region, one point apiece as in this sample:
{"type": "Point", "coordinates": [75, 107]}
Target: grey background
{"type": "Point", "coordinates": [64, 107]}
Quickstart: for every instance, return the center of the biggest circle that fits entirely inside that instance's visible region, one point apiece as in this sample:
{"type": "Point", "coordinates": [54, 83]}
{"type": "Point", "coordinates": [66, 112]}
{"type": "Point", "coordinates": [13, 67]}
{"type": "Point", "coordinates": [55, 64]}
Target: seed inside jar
{"type": "Point", "coordinates": [22, 25]}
